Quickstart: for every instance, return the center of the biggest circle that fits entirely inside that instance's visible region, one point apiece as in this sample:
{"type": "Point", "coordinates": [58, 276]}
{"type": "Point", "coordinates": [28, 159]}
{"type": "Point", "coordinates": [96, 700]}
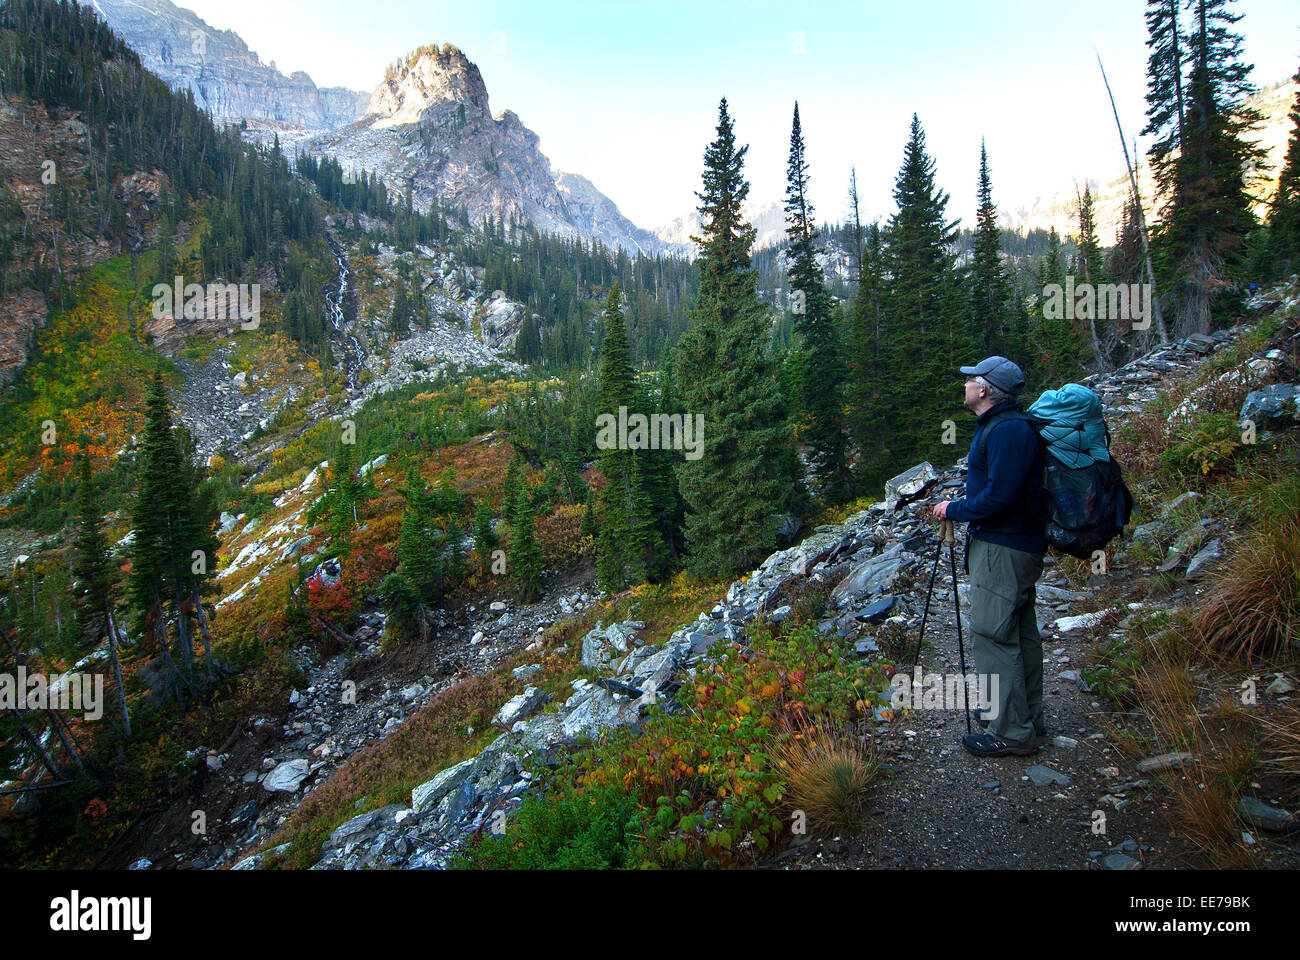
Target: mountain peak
{"type": "Point", "coordinates": [426, 77]}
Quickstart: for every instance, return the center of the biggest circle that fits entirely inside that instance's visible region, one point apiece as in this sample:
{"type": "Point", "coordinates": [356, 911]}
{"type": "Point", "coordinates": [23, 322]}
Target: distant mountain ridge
{"type": "Point", "coordinates": [426, 126]}
{"type": "Point", "coordinates": [228, 80]}
{"type": "Point", "coordinates": [429, 126]}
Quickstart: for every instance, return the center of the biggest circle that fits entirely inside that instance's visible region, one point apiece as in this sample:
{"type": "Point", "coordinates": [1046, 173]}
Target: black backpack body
{"type": "Point", "coordinates": [1088, 506]}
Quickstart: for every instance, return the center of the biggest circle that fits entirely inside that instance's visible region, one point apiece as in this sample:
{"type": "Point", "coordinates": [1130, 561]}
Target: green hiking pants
{"type": "Point", "coordinates": [1004, 636]}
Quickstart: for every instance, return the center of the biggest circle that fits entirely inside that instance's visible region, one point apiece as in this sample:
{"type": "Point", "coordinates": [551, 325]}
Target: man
{"type": "Point", "coordinates": [1006, 509]}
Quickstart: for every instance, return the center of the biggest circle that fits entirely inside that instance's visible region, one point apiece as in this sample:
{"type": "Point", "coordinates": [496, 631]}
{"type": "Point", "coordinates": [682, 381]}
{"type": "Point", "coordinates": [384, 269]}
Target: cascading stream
{"type": "Point", "coordinates": [334, 308]}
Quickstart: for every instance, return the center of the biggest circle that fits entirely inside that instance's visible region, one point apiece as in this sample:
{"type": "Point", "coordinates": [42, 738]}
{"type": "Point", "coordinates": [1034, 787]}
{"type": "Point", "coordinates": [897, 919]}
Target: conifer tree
{"type": "Point", "coordinates": [629, 549]}
{"type": "Point", "coordinates": [428, 546]}
{"type": "Point", "coordinates": [95, 581]}
{"type": "Point", "coordinates": [667, 505]}
{"type": "Point", "coordinates": [823, 371]}
{"type": "Point", "coordinates": [928, 328]}
{"type": "Point", "coordinates": [1089, 268]}
{"type": "Point", "coordinates": [344, 492]}
{"type": "Point", "coordinates": [991, 291]}
{"type": "Point", "coordinates": [1054, 336]}
{"type": "Point", "coordinates": [741, 489]}
{"type": "Point", "coordinates": [172, 521]}
{"type": "Point", "coordinates": [406, 616]}
{"type": "Point", "coordinates": [420, 542]}
{"type": "Point", "coordinates": [485, 538]}
{"type": "Point", "coordinates": [525, 558]}
{"type": "Point", "coordinates": [510, 490]}
{"type": "Point", "coordinates": [589, 528]}
{"type": "Point", "coordinates": [866, 408]}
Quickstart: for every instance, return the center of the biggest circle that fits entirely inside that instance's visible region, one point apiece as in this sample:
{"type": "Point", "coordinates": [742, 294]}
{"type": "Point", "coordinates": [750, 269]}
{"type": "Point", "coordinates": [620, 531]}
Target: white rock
{"type": "Point", "coordinates": [1067, 624]}
{"type": "Point", "coordinates": [288, 776]}
{"type": "Point", "coordinates": [518, 707]}
{"type": "Point", "coordinates": [1280, 686]}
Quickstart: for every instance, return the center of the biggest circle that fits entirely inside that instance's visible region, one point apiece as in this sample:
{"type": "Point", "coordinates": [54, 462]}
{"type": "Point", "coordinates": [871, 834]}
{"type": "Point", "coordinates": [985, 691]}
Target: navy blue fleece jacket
{"type": "Point", "coordinates": [1005, 502]}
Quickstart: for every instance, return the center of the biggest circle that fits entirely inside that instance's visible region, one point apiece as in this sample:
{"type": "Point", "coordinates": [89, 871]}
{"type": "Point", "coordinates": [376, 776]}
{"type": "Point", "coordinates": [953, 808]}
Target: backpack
{"type": "Point", "coordinates": [1088, 502]}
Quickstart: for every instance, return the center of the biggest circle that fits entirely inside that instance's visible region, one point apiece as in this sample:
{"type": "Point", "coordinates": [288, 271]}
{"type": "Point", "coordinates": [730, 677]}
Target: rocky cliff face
{"type": "Point", "coordinates": [429, 126]}
{"type": "Point", "coordinates": [227, 79]}
{"type": "Point", "coordinates": [37, 242]}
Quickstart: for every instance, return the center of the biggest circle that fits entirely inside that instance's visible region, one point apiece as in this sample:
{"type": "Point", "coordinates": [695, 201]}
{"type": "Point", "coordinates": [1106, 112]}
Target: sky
{"type": "Point", "coordinates": [626, 93]}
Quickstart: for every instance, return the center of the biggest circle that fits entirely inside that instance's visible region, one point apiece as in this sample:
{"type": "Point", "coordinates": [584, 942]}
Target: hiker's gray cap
{"type": "Point", "coordinates": [1000, 372]}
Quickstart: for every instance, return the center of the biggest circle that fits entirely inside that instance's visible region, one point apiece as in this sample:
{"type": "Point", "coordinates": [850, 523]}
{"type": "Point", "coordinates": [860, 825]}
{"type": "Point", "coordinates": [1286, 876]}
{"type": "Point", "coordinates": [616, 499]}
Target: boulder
{"type": "Point", "coordinates": [599, 711]}
{"type": "Point", "coordinates": [287, 777]}
{"type": "Point", "coordinates": [1045, 776]}
{"type": "Point", "coordinates": [1154, 532]}
{"type": "Point", "coordinates": [1164, 761]}
{"type": "Point", "coordinates": [872, 576]}
{"type": "Point", "coordinates": [1050, 594]}
{"type": "Point", "coordinates": [520, 706]}
{"type": "Point", "coordinates": [1183, 498]}
{"type": "Point", "coordinates": [1120, 861]}
{"type": "Point", "coordinates": [1277, 404]}
{"type": "Point", "coordinates": [877, 611]}
{"type": "Point", "coordinates": [1188, 542]}
{"type": "Point", "coordinates": [1067, 624]}
{"type": "Point", "coordinates": [1261, 815]}
{"type": "Point", "coordinates": [1206, 556]}
{"type": "Point", "coordinates": [348, 834]}
{"type": "Point", "coordinates": [541, 732]}
{"type": "Point", "coordinates": [907, 483]}
{"type": "Point", "coordinates": [601, 646]}
{"type": "Point", "coordinates": [429, 794]}
{"type": "Point", "coordinates": [253, 862]}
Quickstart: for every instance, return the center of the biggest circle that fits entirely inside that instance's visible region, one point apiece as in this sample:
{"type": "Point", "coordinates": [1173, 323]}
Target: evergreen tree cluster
{"type": "Point", "coordinates": [1204, 158]}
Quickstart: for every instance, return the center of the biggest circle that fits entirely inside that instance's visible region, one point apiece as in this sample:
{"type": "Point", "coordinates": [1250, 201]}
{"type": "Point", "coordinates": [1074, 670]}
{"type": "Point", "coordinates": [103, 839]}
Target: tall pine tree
{"type": "Point", "coordinates": [1283, 237]}
{"type": "Point", "coordinates": [628, 548]}
{"type": "Point", "coordinates": [1202, 156]}
{"type": "Point", "coordinates": [742, 487]}
{"type": "Point", "coordinates": [991, 300]}
{"type": "Point", "coordinates": [823, 367]}
{"type": "Point", "coordinates": [927, 329]}
{"type": "Point", "coordinates": [95, 580]}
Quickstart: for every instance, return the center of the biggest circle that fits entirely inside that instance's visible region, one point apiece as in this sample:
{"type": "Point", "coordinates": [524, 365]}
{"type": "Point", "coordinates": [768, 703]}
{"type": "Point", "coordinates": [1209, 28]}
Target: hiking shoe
{"type": "Point", "coordinates": [1040, 730]}
{"type": "Point", "coordinates": [987, 745]}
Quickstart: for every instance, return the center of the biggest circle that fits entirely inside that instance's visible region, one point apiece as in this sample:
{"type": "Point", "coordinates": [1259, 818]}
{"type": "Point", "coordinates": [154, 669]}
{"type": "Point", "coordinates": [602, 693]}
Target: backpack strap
{"type": "Point", "coordinates": [1010, 413]}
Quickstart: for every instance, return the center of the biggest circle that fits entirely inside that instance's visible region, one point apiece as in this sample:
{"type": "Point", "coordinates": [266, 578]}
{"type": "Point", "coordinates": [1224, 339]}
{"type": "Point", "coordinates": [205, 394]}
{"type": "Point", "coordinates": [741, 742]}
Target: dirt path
{"type": "Point", "coordinates": [940, 807]}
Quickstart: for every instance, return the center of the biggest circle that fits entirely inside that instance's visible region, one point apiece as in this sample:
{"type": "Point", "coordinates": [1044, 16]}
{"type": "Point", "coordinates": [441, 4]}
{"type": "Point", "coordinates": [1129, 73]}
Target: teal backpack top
{"type": "Point", "coordinates": [1074, 428]}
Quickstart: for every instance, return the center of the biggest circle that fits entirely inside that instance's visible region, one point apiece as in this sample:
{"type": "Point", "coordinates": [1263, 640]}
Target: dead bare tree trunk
{"type": "Point", "coordinates": [117, 673]}
{"type": "Point", "coordinates": [1137, 203]}
{"type": "Point", "coordinates": [65, 738]}
{"type": "Point", "coordinates": [34, 742]}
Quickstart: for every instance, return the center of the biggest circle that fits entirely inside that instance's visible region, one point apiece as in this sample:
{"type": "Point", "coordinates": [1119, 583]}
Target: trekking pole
{"type": "Point", "coordinates": [946, 536]}
{"type": "Point", "coordinates": [926, 612]}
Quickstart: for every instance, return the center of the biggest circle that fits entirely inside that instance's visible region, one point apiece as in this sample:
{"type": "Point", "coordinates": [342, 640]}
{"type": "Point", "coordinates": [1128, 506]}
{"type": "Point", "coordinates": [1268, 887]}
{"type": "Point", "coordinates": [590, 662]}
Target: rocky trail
{"type": "Point", "coordinates": [937, 806]}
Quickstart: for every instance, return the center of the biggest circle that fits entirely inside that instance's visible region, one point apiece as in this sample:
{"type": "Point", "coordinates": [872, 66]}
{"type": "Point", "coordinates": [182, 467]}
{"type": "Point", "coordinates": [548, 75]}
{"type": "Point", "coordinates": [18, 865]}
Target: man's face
{"type": "Point", "coordinates": [974, 392]}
